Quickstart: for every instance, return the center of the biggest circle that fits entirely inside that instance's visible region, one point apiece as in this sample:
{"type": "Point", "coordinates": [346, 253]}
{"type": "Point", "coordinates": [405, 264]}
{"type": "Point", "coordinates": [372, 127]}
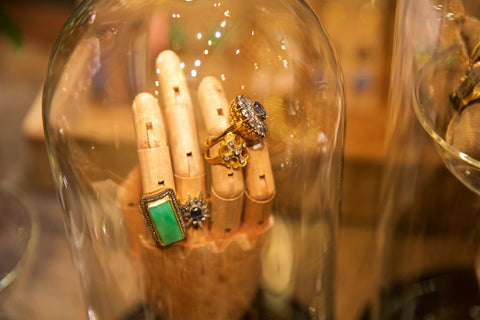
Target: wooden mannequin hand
{"type": "Point", "coordinates": [221, 254]}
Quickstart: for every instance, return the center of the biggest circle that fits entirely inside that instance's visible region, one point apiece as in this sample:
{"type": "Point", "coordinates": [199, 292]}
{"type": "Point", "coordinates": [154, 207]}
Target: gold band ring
{"type": "Point", "coordinates": [212, 141]}
{"type": "Point", "coordinates": [232, 153]}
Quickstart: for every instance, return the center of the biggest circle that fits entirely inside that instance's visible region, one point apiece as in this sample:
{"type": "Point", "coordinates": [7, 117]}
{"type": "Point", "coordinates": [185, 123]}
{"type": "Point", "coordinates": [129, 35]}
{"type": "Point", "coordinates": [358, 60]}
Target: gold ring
{"type": "Point", "coordinates": [469, 89]}
{"type": "Point", "coordinates": [232, 153]}
{"type": "Point", "coordinates": [247, 119]}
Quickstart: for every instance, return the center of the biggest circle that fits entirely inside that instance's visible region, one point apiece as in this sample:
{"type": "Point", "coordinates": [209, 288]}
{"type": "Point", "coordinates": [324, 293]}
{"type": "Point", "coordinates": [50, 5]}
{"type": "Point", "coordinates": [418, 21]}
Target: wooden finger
{"type": "Point", "coordinates": [187, 157]}
{"type": "Point", "coordinates": [153, 152]}
{"type": "Point", "coordinates": [260, 185]}
{"type": "Point", "coordinates": [227, 184]}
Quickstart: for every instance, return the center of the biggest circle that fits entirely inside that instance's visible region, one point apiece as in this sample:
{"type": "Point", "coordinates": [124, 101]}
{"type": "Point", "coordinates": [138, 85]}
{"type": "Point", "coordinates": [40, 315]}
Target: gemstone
{"type": "Point", "coordinates": [165, 221]}
{"type": "Point", "coordinates": [252, 122]}
{"type": "Point", "coordinates": [196, 213]}
{"type": "Point", "coordinates": [245, 113]}
{"type": "Point", "coordinates": [260, 110]}
{"type": "Point", "coordinates": [241, 101]}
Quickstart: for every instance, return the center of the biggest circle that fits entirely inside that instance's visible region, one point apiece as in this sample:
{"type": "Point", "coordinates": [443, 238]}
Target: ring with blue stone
{"type": "Point", "coordinates": [247, 118]}
{"type": "Point", "coordinates": [195, 211]}
{"type": "Point", "coordinates": [163, 215]}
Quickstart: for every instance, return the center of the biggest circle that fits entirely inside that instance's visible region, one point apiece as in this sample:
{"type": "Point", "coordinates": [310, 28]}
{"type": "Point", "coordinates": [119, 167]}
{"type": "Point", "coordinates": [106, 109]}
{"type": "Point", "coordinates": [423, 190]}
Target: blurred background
{"type": "Point", "coordinates": [48, 289]}
{"type": "Point", "coordinates": [361, 32]}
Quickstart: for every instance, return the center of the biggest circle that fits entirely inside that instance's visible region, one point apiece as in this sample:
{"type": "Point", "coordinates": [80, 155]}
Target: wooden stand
{"type": "Point", "coordinates": [215, 272]}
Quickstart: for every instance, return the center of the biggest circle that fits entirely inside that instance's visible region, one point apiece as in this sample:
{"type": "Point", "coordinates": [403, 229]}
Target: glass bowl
{"type": "Point", "coordinates": [18, 238]}
{"type": "Point", "coordinates": [453, 132]}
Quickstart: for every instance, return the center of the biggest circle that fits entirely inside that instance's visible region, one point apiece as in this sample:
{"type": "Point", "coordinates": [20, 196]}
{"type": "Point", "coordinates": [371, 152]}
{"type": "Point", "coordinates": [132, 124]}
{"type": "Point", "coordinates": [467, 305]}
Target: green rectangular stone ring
{"type": "Point", "coordinates": [162, 214]}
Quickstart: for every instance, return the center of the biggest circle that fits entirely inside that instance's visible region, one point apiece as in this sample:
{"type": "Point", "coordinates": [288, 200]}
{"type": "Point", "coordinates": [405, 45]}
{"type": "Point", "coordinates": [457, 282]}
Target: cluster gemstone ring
{"type": "Point", "coordinates": [247, 128]}
{"type": "Point", "coordinates": [247, 119]}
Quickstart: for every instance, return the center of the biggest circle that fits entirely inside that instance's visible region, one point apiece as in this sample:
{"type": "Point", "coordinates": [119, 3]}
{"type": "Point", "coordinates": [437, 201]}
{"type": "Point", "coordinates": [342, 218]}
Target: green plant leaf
{"type": "Point", "coordinates": [8, 27]}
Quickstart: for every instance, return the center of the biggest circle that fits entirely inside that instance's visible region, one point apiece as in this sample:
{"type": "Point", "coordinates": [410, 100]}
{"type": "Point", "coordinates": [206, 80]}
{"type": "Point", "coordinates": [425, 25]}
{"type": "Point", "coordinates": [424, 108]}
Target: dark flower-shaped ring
{"type": "Point", "coordinates": [195, 211]}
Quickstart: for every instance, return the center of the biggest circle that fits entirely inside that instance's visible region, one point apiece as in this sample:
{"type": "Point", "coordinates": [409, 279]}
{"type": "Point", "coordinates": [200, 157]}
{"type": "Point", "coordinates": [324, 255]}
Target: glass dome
{"type": "Point", "coordinates": [157, 117]}
{"type": "Point", "coordinates": [427, 241]}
